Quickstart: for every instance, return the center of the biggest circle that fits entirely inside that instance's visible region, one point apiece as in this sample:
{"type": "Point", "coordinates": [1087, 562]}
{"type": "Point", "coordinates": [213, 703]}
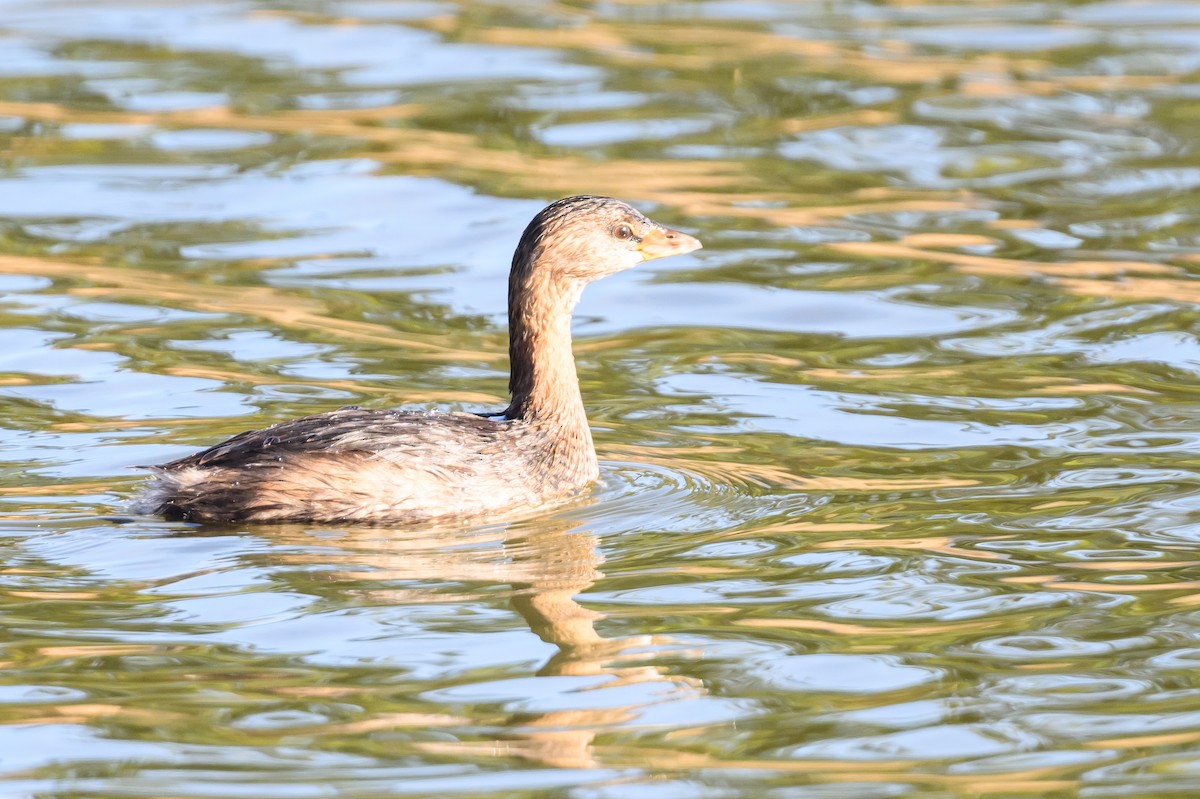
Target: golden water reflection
{"type": "Point", "coordinates": [899, 492]}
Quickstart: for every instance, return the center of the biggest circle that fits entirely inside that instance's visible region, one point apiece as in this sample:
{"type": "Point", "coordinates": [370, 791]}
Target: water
{"type": "Point", "coordinates": [900, 492]}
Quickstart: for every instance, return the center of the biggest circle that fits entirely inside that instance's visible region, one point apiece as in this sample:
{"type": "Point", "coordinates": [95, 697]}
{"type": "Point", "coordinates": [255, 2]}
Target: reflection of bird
{"type": "Point", "coordinates": [409, 466]}
{"type": "Point", "coordinates": [538, 567]}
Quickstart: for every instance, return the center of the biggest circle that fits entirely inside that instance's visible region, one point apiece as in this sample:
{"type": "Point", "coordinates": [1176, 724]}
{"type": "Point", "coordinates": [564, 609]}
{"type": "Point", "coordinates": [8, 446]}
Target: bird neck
{"type": "Point", "coordinates": [543, 382]}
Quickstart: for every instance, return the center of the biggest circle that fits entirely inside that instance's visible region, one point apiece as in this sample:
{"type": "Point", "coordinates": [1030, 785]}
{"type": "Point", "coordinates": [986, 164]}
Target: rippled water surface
{"type": "Point", "coordinates": [900, 490]}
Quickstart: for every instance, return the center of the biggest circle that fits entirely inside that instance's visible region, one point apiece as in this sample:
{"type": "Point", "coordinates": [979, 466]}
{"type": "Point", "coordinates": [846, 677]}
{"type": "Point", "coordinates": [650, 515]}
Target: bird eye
{"type": "Point", "coordinates": [623, 232]}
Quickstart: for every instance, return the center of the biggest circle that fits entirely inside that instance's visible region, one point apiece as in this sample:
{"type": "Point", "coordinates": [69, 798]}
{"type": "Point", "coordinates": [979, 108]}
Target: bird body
{"type": "Point", "coordinates": [404, 467]}
{"type": "Point", "coordinates": [357, 465]}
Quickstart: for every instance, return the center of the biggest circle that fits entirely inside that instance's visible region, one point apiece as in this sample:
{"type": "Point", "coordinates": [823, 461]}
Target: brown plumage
{"type": "Point", "coordinates": [356, 465]}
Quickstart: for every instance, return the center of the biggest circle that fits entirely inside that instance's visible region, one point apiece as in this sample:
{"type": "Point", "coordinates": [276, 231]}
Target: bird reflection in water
{"type": "Point", "coordinates": [544, 566]}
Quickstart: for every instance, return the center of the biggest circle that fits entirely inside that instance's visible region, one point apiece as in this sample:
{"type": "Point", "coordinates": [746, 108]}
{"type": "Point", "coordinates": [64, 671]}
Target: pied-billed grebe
{"type": "Point", "coordinates": [356, 465]}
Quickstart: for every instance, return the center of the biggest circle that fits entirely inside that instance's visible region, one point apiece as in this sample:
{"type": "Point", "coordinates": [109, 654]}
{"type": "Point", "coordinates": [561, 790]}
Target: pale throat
{"type": "Point", "coordinates": [544, 383]}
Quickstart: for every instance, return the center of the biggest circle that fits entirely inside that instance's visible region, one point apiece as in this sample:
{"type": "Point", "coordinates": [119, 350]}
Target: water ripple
{"type": "Point", "coordinates": [898, 493]}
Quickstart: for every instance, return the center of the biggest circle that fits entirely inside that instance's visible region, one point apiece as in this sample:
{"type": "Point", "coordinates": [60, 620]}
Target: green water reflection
{"type": "Point", "coordinates": [899, 490]}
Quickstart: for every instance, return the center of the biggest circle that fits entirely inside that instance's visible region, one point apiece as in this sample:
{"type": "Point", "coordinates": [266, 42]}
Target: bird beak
{"type": "Point", "coordinates": [660, 242]}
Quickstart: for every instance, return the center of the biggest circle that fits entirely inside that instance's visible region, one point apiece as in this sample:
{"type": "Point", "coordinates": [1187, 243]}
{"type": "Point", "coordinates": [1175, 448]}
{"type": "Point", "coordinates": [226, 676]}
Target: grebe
{"type": "Point", "coordinates": [396, 466]}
